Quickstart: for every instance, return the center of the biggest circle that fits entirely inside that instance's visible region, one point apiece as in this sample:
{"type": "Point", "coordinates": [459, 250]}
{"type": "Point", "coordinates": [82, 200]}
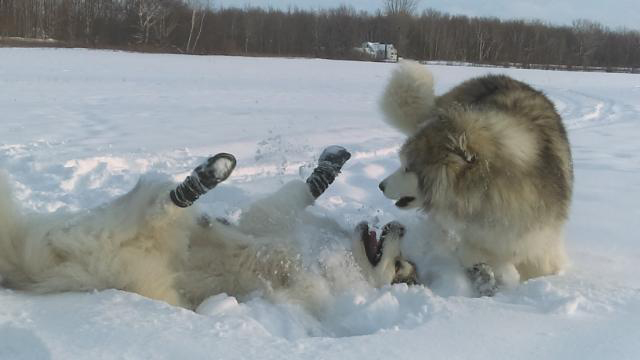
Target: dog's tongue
{"type": "Point", "coordinates": [371, 247]}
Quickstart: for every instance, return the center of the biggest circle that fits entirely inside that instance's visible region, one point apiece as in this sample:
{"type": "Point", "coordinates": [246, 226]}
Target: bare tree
{"type": "Point", "coordinates": [198, 13]}
{"type": "Point", "coordinates": [148, 15]}
{"type": "Point", "coordinates": [191, 26]}
{"type": "Point", "coordinates": [401, 7]}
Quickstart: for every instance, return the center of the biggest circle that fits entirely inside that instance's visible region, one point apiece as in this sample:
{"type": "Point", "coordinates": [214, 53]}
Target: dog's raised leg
{"type": "Point", "coordinates": [279, 212]}
{"type": "Point", "coordinates": [329, 165]}
{"type": "Point", "coordinates": [203, 178]}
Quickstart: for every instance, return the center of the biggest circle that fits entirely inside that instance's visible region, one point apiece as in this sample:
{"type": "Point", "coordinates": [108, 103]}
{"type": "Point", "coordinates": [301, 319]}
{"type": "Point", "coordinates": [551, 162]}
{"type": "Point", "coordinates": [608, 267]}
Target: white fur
{"type": "Point", "coordinates": [539, 251]}
{"type": "Point", "coordinates": [514, 137]}
{"type": "Point", "coordinates": [408, 97]}
{"type": "Point", "coordinates": [132, 243]}
{"type": "Point", "coordinates": [142, 243]}
{"type": "Point", "coordinates": [384, 272]}
{"type": "Point", "coordinates": [402, 183]}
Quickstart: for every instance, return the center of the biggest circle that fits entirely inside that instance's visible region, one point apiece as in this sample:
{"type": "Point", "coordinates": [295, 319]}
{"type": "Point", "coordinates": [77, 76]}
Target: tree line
{"type": "Point", "coordinates": [187, 26]}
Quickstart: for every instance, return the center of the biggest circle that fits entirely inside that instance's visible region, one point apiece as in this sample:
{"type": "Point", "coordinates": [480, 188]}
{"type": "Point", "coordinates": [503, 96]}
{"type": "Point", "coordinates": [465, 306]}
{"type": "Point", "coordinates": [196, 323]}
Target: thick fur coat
{"type": "Point", "coordinates": [489, 161]}
{"type": "Point", "coordinates": [143, 243]}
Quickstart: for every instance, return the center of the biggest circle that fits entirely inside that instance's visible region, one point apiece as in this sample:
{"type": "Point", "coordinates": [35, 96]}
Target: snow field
{"type": "Point", "coordinates": [79, 127]}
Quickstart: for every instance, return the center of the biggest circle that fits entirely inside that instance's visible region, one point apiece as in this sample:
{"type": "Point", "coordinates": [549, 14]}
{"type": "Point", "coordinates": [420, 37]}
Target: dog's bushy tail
{"type": "Point", "coordinates": [9, 226]}
{"type": "Point", "coordinates": [408, 97]}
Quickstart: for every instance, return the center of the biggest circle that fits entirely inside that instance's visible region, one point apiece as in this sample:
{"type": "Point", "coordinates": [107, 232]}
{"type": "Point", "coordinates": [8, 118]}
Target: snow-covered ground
{"type": "Point", "coordinates": [78, 127]}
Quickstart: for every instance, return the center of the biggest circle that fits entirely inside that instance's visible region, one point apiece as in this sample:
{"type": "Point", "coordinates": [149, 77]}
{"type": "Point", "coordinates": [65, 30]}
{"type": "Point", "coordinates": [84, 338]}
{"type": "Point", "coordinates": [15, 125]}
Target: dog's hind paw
{"type": "Point", "coordinates": [203, 178]}
{"type": "Point", "coordinates": [215, 170]}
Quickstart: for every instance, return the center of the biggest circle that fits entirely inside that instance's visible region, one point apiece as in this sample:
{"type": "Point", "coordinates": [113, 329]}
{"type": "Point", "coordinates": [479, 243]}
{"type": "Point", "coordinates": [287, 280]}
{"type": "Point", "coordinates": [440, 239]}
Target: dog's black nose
{"type": "Point", "coordinates": [381, 186]}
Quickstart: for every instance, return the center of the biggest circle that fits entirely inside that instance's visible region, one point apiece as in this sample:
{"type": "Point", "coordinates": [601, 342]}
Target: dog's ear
{"type": "Point", "coordinates": [408, 97]}
{"type": "Point", "coordinates": [458, 145]}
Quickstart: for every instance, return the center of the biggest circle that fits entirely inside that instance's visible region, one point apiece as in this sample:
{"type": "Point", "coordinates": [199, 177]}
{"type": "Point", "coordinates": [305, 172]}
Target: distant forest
{"type": "Point", "coordinates": [190, 27]}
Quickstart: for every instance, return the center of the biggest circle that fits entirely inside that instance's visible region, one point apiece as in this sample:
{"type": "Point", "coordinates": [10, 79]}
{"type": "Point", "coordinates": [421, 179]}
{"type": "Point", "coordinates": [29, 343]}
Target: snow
{"type": "Point", "coordinates": [79, 127]}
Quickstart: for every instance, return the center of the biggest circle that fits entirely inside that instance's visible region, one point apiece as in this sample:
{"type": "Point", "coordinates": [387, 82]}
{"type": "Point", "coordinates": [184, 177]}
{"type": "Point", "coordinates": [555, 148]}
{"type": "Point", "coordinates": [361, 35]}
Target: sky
{"type": "Point", "coordinates": [612, 13]}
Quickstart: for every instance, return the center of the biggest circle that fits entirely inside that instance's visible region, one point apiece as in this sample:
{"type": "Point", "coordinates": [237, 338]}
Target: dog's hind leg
{"type": "Point", "coordinates": [203, 178]}
{"type": "Point", "coordinates": [278, 212]}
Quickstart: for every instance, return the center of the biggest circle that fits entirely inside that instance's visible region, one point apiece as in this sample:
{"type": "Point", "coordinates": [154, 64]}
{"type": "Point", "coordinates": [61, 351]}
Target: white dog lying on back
{"type": "Point", "coordinates": [153, 242]}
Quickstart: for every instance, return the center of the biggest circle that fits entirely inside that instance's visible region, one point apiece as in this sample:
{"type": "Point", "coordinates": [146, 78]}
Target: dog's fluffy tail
{"type": "Point", "coordinates": [9, 227]}
{"type": "Point", "coordinates": [408, 97]}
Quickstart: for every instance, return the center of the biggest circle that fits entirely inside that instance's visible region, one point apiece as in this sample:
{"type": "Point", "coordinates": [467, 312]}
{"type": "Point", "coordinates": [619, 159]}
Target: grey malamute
{"type": "Point", "coordinates": [489, 161]}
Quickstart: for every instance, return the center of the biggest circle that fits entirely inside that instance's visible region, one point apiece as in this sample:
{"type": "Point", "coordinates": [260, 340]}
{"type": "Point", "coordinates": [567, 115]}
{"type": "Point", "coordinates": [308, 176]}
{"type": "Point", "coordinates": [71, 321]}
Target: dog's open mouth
{"type": "Point", "coordinates": [372, 247]}
{"type": "Point", "coordinates": [403, 202]}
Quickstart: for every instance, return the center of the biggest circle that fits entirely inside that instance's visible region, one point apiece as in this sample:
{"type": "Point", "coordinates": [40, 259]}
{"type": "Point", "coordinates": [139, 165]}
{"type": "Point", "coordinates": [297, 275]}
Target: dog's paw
{"type": "Point", "coordinates": [386, 265]}
{"type": "Point", "coordinates": [392, 228]}
{"type": "Point", "coordinates": [336, 156]}
{"type": "Point", "coordinates": [389, 244]}
{"type": "Point", "coordinates": [406, 272]}
{"type": "Point", "coordinates": [482, 279]}
{"type": "Point", "coordinates": [215, 170]}
{"type": "Point", "coordinates": [203, 178]}
{"type": "Point", "coordinates": [375, 249]}
{"type": "Point", "coordinates": [329, 165]}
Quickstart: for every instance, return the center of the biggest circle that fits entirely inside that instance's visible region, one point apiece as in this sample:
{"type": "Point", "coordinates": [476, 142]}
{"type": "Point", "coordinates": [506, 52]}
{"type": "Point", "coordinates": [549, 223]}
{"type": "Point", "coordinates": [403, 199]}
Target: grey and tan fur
{"type": "Point", "coordinates": [489, 161]}
{"type": "Point", "coordinates": [143, 243]}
